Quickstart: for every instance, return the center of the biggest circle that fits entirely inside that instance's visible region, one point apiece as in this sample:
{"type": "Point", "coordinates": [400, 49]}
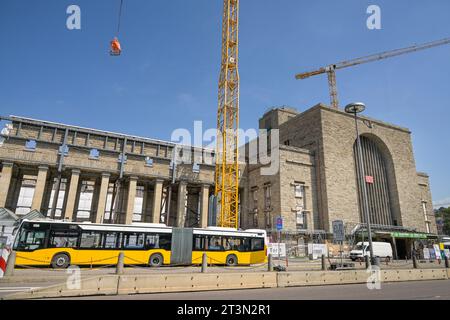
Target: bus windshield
{"type": "Point", "coordinates": [30, 239]}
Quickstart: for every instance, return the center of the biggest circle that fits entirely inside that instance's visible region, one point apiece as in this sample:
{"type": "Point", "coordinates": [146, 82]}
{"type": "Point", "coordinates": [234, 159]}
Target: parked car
{"type": "Point", "coordinates": [380, 249]}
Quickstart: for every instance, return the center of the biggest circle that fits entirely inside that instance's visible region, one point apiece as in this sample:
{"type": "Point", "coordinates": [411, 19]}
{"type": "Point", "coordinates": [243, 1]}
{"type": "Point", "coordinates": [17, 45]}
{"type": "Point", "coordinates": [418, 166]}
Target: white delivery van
{"type": "Point", "coordinates": [380, 249]}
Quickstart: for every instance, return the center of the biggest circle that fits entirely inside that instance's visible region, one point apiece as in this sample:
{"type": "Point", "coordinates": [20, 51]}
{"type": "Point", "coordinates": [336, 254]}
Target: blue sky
{"type": "Point", "coordinates": [167, 75]}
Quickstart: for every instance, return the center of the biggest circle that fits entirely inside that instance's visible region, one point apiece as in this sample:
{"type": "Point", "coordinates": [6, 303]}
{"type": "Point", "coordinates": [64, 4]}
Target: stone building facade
{"type": "Point", "coordinates": [317, 181]}
{"type": "Point", "coordinates": [106, 177]}
{"type": "Point", "coordinates": [100, 172]}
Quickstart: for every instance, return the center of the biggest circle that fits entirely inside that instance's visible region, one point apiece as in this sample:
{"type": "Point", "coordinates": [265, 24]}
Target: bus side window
{"type": "Point", "coordinates": [90, 240]}
{"type": "Point", "coordinates": [134, 241]}
{"type": "Point", "coordinates": [227, 243]}
{"type": "Point", "coordinates": [257, 244]}
{"type": "Point", "coordinates": [235, 243]}
{"type": "Point", "coordinates": [215, 244]}
{"type": "Point", "coordinates": [63, 239]}
{"type": "Point", "coordinates": [165, 241]}
{"type": "Point", "coordinates": [110, 240]}
{"type": "Point", "coordinates": [199, 243]}
{"type": "Point", "coordinates": [152, 241]}
{"type": "Point", "coordinates": [245, 245]}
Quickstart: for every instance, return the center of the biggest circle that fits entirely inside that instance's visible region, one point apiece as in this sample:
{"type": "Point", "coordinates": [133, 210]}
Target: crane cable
{"type": "Point", "coordinates": [120, 17]}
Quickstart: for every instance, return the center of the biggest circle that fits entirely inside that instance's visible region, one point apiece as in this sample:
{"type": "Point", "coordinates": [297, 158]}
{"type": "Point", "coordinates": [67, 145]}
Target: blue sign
{"type": "Point", "coordinates": [279, 223]}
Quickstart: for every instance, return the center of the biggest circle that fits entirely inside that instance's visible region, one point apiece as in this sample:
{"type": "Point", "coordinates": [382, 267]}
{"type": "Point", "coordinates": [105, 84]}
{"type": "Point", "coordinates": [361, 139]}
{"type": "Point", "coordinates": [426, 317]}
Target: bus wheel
{"type": "Point", "coordinates": [60, 261]}
{"type": "Point", "coordinates": [156, 260]}
{"type": "Point", "coordinates": [232, 260]}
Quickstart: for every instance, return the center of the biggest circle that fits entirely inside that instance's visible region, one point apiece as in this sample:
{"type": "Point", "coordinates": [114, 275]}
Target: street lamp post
{"type": "Point", "coordinates": [355, 108]}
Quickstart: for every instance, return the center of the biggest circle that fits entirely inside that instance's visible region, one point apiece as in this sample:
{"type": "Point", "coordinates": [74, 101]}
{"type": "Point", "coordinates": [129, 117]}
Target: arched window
{"type": "Point", "coordinates": [376, 180]}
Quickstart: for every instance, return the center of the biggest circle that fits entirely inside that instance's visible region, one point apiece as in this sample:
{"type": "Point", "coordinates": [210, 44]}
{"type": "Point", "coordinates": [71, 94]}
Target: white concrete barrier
{"type": "Point", "coordinates": [317, 278]}
{"type": "Point", "coordinates": [101, 285]}
{"type": "Point", "coordinates": [157, 283]}
{"type": "Point", "coordinates": [135, 284]}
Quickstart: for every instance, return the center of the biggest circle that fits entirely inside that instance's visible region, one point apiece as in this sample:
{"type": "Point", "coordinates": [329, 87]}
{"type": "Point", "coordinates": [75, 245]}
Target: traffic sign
{"type": "Point", "coordinates": [279, 223]}
{"type": "Point", "coordinates": [338, 230]}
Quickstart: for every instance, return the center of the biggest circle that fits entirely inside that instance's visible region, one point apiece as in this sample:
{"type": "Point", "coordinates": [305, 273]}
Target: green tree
{"type": "Point", "coordinates": [444, 214]}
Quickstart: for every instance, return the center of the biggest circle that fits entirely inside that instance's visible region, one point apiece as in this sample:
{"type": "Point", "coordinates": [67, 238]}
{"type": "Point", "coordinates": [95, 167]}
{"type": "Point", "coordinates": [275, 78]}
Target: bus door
{"type": "Point", "coordinates": [181, 253]}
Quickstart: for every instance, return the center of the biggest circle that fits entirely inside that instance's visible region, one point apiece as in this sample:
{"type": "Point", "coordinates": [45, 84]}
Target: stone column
{"type": "Point", "coordinates": [102, 198]}
{"type": "Point", "coordinates": [204, 206]}
{"type": "Point", "coordinates": [181, 205]}
{"type": "Point", "coordinates": [130, 201]}
{"type": "Point", "coordinates": [5, 181]}
{"type": "Point", "coordinates": [157, 195]}
{"type": "Point", "coordinates": [39, 189]}
{"type": "Point", "coordinates": [72, 195]}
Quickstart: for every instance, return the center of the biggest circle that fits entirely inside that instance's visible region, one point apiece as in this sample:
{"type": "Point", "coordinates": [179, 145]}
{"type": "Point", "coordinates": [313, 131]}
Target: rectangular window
{"type": "Point", "coordinates": [267, 196]}
{"type": "Point", "coordinates": [85, 201]}
{"type": "Point", "coordinates": [199, 243]}
{"type": "Point", "coordinates": [61, 195]}
{"type": "Point", "coordinates": [235, 243]}
{"type": "Point", "coordinates": [63, 239]}
{"type": "Point", "coordinates": [255, 198]}
{"type": "Point", "coordinates": [215, 243]}
{"type": "Point", "coordinates": [227, 243]}
{"type": "Point", "coordinates": [245, 245]}
{"type": "Point", "coordinates": [165, 241]}
{"type": "Point", "coordinates": [26, 195]}
{"type": "Point", "coordinates": [148, 162]}
{"type": "Point", "coordinates": [299, 190]}
{"type": "Point", "coordinates": [300, 217]}
{"type": "Point", "coordinates": [111, 240]}
{"type": "Point", "coordinates": [231, 243]}
{"type": "Point", "coordinates": [133, 241]}
{"type": "Point", "coordinates": [94, 154]}
{"type": "Point", "coordinates": [138, 204]}
{"type": "Point", "coordinates": [152, 241]}
{"type": "Point", "coordinates": [257, 244]}
{"type": "Point", "coordinates": [109, 202]}
{"type": "Point", "coordinates": [30, 145]}
{"type": "Point", "coordinates": [302, 221]}
{"type": "Point", "coordinates": [196, 168]}
{"type": "Point", "coordinates": [90, 240]}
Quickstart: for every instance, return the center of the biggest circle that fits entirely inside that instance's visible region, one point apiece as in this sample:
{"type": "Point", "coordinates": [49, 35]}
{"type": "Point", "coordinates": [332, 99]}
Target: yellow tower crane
{"type": "Point", "coordinates": [227, 166]}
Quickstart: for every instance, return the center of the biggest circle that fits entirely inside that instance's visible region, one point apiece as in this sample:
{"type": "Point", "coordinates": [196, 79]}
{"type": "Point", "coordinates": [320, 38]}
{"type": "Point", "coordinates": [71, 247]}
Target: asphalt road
{"type": "Point", "coordinates": [417, 290]}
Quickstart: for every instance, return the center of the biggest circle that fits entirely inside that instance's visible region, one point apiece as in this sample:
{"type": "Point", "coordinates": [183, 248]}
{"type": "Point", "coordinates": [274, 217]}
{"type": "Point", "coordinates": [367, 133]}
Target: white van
{"type": "Point", "coordinates": [380, 249]}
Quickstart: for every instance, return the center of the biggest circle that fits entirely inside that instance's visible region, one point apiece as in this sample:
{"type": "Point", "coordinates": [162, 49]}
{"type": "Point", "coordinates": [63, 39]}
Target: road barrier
{"type": "Point", "coordinates": [135, 284]}
{"type": "Point", "coordinates": [3, 261]}
{"type": "Point", "coordinates": [101, 285]}
{"type": "Point", "coordinates": [159, 283]}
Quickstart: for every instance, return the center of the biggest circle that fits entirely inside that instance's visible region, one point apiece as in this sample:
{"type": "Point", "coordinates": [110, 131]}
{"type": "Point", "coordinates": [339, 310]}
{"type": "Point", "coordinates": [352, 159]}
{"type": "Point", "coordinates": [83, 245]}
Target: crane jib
{"type": "Point", "coordinates": [374, 57]}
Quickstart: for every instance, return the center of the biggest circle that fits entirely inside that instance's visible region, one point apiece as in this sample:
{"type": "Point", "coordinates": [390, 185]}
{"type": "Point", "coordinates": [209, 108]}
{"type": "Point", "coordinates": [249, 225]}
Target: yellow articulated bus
{"type": "Point", "coordinates": [60, 244]}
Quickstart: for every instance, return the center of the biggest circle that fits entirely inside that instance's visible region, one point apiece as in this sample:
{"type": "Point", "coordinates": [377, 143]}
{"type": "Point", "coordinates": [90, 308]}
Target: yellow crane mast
{"type": "Point", "coordinates": [227, 166]}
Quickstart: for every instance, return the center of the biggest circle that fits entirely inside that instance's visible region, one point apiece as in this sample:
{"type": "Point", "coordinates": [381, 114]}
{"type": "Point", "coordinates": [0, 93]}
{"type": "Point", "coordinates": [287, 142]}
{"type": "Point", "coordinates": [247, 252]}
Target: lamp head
{"type": "Point", "coordinates": [355, 107]}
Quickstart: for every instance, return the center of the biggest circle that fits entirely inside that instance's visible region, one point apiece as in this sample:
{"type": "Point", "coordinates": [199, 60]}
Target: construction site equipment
{"type": "Point", "coordinates": [227, 169]}
{"type": "Point", "coordinates": [330, 70]}
{"type": "Point", "coordinates": [115, 47]}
